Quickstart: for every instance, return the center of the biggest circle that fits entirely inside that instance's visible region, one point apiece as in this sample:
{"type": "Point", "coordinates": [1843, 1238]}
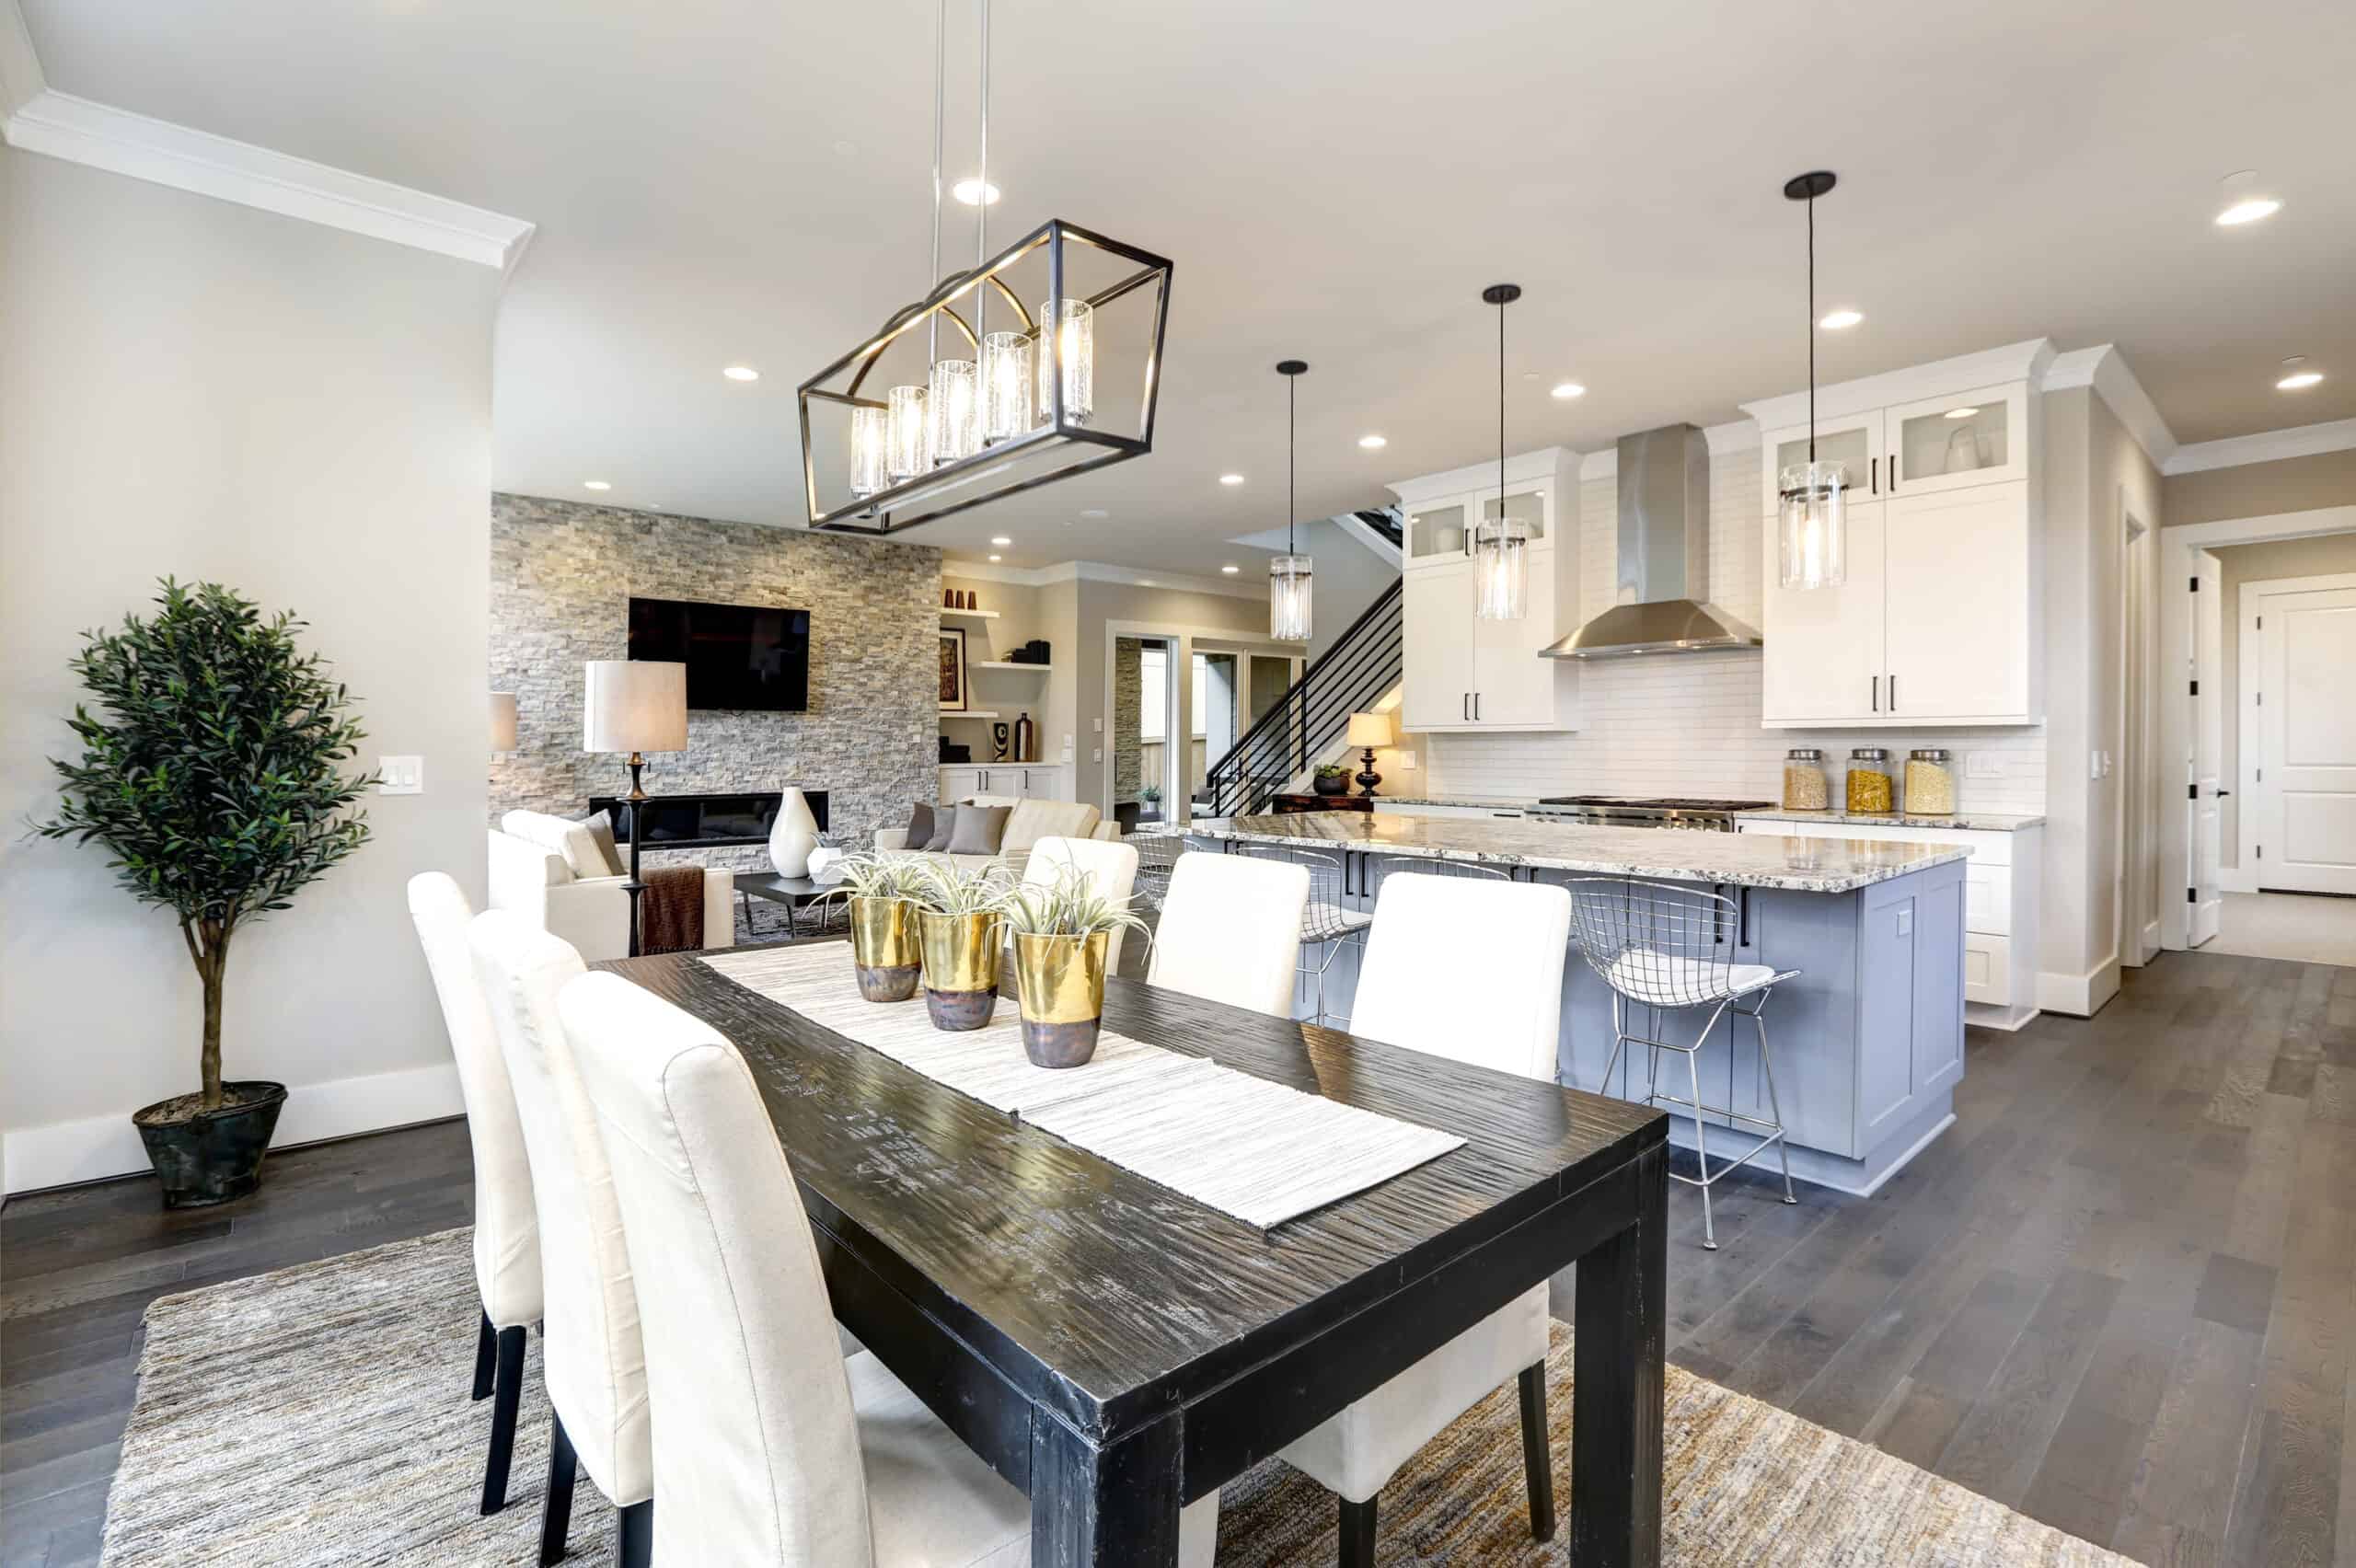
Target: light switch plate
{"type": "Point", "coordinates": [1098, 726]}
{"type": "Point", "coordinates": [400, 775]}
{"type": "Point", "coordinates": [1983, 765]}
{"type": "Point", "coordinates": [1096, 753]}
{"type": "Point", "coordinates": [1407, 762]}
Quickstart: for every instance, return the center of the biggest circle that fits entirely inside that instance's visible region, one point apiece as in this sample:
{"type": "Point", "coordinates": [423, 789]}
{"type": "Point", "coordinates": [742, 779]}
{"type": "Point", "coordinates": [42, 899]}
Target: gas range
{"type": "Point", "coordinates": [1621, 810]}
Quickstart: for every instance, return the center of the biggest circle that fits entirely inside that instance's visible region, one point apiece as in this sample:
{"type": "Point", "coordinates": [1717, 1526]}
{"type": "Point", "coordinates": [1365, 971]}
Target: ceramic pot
{"type": "Point", "coordinates": [1059, 987]}
{"type": "Point", "coordinates": [210, 1157]}
{"type": "Point", "coordinates": [792, 835]}
{"type": "Point", "coordinates": [1331, 783]}
{"type": "Point", "coordinates": [960, 967]}
{"type": "Point", "coordinates": [886, 952]}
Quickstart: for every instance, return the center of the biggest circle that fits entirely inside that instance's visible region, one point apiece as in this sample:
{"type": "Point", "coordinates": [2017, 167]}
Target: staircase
{"type": "Point", "coordinates": [1313, 715]}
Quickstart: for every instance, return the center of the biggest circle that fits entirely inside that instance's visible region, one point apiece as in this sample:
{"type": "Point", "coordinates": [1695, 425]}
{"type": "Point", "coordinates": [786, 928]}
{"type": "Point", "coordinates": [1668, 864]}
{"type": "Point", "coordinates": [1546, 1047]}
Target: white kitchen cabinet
{"type": "Point", "coordinates": [1825, 663]}
{"type": "Point", "coordinates": [1436, 671]}
{"type": "Point", "coordinates": [1955, 606]}
{"type": "Point", "coordinates": [1020, 781]}
{"type": "Point", "coordinates": [1957, 441]}
{"type": "Point", "coordinates": [1436, 533]}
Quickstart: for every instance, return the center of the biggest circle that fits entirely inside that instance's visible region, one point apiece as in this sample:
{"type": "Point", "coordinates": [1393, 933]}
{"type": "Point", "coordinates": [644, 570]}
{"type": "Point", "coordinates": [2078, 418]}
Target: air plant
{"type": "Point", "coordinates": [1071, 905]}
{"type": "Point", "coordinates": [939, 887]}
{"type": "Point", "coordinates": [870, 875]}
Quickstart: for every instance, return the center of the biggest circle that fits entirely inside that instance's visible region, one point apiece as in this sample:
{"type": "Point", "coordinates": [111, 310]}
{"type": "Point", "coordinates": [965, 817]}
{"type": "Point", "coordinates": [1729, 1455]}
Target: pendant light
{"type": "Point", "coordinates": [1500, 544]}
{"type": "Point", "coordinates": [1811, 520]}
{"type": "Point", "coordinates": [1289, 573]}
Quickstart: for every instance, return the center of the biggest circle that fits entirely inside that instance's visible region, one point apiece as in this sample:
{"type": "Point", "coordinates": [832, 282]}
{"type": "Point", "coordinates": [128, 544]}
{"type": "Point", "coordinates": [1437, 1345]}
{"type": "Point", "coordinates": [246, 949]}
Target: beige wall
{"type": "Point", "coordinates": [2238, 564]}
{"type": "Point", "coordinates": [2262, 489]}
{"type": "Point", "coordinates": [1178, 612]}
{"type": "Point", "coordinates": [203, 390]}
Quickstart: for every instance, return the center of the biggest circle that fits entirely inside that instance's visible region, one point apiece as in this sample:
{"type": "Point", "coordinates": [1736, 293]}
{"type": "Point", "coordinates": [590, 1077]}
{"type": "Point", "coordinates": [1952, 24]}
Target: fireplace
{"type": "Point", "coordinates": [705, 822]}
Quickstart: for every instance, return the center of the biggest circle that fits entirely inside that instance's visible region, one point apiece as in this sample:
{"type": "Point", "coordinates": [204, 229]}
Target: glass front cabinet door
{"type": "Point", "coordinates": [1972, 438]}
{"type": "Point", "coordinates": [1436, 533]}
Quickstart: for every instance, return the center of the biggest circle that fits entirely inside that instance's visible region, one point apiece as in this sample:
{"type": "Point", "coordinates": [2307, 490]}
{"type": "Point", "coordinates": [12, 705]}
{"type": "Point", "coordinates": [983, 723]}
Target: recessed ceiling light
{"type": "Point", "coordinates": [1962, 413]}
{"type": "Point", "coordinates": [1231, 568]}
{"type": "Point", "coordinates": [973, 193]}
{"type": "Point", "coordinates": [2247, 210]}
{"type": "Point", "coordinates": [2298, 381]}
{"type": "Point", "coordinates": [1147, 582]}
{"type": "Point", "coordinates": [741, 373]}
{"type": "Point", "coordinates": [1230, 478]}
{"type": "Point", "coordinates": [1568, 389]}
{"type": "Point", "coordinates": [1840, 320]}
{"type": "Point", "coordinates": [1371, 441]}
{"type": "Point", "coordinates": [1000, 541]}
{"type": "Point", "coordinates": [998, 557]}
{"type": "Point", "coordinates": [595, 484]}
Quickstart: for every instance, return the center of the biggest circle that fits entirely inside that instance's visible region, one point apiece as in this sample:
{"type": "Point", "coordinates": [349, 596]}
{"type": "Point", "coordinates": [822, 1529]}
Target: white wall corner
{"type": "Point", "coordinates": [21, 78]}
{"type": "Point", "coordinates": [2080, 996]}
{"type": "Point", "coordinates": [60, 125]}
{"type": "Point", "coordinates": [1358, 529]}
{"type": "Point", "coordinates": [2267, 447]}
{"type": "Point", "coordinates": [2105, 369]}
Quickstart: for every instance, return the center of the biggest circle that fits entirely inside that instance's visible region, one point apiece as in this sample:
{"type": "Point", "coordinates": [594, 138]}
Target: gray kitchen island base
{"type": "Point", "coordinates": [1859, 1178]}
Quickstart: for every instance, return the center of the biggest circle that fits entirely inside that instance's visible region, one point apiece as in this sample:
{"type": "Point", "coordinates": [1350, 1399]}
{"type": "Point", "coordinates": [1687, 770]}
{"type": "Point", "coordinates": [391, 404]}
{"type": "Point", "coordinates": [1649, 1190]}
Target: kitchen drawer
{"type": "Point", "coordinates": [1987, 969]}
{"type": "Point", "coordinates": [1987, 898]}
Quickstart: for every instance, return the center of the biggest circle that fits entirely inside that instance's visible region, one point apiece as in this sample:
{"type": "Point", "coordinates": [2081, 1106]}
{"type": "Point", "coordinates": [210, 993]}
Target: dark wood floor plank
{"type": "Point", "coordinates": [2001, 1443]}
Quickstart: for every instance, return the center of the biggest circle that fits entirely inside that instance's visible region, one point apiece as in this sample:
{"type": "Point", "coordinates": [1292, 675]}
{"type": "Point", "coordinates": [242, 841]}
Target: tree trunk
{"type": "Point", "coordinates": [210, 965]}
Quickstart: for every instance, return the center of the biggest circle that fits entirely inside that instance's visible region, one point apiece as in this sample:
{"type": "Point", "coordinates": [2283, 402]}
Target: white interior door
{"type": "Point", "coordinates": [2306, 723]}
{"type": "Point", "coordinates": [2208, 751]}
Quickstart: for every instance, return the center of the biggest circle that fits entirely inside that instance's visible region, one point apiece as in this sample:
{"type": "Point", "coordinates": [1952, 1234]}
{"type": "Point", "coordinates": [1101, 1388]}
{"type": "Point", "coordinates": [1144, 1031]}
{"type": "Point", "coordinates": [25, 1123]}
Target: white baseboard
{"type": "Point", "coordinates": [90, 1149]}
{"type": "Point", "coordinates": [1988, 1015]}
{"type": "Point", "coordinates": [2237, 878]}
{"type": "Point", "coordinates": [2079, 995]}
{"type": "Point", "coordinates": [2150, 949]}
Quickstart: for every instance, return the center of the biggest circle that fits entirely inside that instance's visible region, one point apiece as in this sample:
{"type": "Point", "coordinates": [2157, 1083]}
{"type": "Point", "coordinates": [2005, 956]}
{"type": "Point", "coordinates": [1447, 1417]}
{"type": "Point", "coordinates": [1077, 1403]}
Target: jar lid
{"type": "Point", "coordinates": [1870, 753]}
{"type": "Point", "coordinates": [1804, 754]}
{"type": "Point", "coordinates": [1930, 753]}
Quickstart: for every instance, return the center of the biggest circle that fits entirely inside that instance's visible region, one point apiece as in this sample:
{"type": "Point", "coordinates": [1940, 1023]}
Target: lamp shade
{"type": "Point", "coordinates": [634, 705]}
{"type": "Point", "coordinates": [503, 721]}
{"type": "Point", "coordinates": [1370, 730]}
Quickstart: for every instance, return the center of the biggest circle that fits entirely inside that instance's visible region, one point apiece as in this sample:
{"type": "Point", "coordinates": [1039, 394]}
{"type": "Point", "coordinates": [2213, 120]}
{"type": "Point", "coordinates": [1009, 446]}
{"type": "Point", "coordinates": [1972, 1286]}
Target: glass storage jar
{"type": "Point", "coordinates": [1869, 791]}
{"type": "Point", "coordinates": [1804, 788]}
{"type": "Point", "coordinates": [1930, 783]}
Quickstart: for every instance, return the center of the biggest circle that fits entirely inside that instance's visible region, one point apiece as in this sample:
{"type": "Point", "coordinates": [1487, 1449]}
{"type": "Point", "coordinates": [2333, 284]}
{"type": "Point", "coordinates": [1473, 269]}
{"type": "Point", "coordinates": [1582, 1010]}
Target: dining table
{"type": "Point", "coordinates": [1118, 1350]}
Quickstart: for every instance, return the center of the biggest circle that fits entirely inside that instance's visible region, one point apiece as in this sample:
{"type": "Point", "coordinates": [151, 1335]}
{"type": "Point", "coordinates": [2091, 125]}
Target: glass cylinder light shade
{"type": "Point", "coordinates": [1075, 355]}
{"type": "Point", "coordinates": [1812, 524]}
{"type": "Point", "coordinates": [956, 411]}
{"type": "Point", "coordinates": [1500, 570]}
{"type": "Point", "coordinates": [871, 431]}
{"type": "Point", "coordinates": [907, 441]}
{"type": "Point", "coordinates": [1289, 598]}
{"type": "Point", "coordinates": [1006, 386]}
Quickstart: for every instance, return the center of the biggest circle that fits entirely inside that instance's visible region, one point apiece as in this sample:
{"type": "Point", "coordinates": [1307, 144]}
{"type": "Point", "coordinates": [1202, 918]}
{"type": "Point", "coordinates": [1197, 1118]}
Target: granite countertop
{"type": "Point", "coordinates": [1802, 865]}
{"type": "Point", "coordinates": [1474, 802]}
{"type": "Point", "coordinates": [1968, 822]}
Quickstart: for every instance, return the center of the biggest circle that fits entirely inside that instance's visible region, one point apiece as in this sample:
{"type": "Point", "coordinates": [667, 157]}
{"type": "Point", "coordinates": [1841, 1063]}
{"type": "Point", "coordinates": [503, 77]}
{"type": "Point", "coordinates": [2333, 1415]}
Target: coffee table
{"type": "Point", "coordinates": [795, 892]}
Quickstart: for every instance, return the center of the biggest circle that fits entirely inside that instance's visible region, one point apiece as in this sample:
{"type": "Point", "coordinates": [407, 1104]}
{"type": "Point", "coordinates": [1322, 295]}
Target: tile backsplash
{"type": "Point", "coordinates": [1688, 724]}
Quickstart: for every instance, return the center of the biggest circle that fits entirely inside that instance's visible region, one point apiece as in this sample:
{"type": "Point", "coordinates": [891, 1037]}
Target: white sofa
{"type": "Point", "coordinates": [1029, 822]}
{"type": "Point", "coordinates": [557, 874]}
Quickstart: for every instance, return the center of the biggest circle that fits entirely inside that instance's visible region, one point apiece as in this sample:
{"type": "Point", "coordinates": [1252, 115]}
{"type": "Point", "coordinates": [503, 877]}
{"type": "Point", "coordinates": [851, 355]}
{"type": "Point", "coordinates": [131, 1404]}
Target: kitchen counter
{"type": "Point", "coordinates": [1726, 859]}
{"type": "Point", "coordinates": [1962, 821]}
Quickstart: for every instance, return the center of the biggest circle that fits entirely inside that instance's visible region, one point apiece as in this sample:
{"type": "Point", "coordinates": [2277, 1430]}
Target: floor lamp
{"type": "Point", "coordinates": [635, 706]}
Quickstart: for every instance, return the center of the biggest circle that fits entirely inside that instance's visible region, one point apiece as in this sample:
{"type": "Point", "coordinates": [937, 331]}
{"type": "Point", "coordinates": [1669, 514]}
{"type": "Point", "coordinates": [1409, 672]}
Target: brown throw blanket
{"type": "Point", "coordinates": [670, 919]}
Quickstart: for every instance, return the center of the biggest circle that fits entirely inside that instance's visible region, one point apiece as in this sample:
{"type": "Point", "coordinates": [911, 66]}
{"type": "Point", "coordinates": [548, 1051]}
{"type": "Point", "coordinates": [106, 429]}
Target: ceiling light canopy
{"type": "Point", "coordinates": [1567, 390]}
{"type": "Point", "coordinates": [1811, 510]}
{"type": "Point", "coordinates": [1841, 320]}
{"type": "Point", "coordinates": [1027, 407]}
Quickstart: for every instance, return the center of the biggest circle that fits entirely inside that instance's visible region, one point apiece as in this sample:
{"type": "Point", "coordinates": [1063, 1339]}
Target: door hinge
{"type": "Point", "coordinates": [2261, 851]}
{"type": "Point", "coordinates": [2192, 791]}
{"type": "Point", "coordinates": [2192, 895]}
{"type": "Point", "coordinates": [2261, 699]}
{"type": "Point", "coordinates": [2196, 689]}
{"type": "Point", "coordinates": [2261, 623]}
{"type": "Point", "coordinates": [2196, 585]}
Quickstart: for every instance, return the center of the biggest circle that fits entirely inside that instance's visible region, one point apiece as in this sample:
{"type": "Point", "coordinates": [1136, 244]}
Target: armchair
{"type": "Point", "coordinates": [553, 873]}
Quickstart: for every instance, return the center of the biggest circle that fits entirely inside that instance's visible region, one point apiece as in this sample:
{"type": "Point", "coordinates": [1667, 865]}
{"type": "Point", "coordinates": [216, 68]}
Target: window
{"type": "Point", "coordinates": [1153, 683]}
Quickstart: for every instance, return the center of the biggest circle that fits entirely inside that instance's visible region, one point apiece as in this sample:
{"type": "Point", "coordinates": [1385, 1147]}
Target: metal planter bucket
{"type": "Point", "coordinates": [884, 948]}
{"type": "Point", "coordinates": [1059, 987]}
{"type": "Point", "coordinates": [960, 967]}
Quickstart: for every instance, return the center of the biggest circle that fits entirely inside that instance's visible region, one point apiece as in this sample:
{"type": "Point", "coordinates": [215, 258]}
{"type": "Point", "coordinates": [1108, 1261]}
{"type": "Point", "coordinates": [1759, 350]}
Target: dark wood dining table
{"type": "Point", "coordinates": [1116, 1349]}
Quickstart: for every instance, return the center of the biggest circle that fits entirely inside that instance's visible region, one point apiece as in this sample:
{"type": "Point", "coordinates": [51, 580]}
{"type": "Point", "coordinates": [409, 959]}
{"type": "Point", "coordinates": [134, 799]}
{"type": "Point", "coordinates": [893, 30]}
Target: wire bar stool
{"type": "Point", "coordinates": [1665, 947]}
{"type": "Point", "coordinates": [1381, 866]}
{"type": "Point", "coordinates": [1156, 857]}
{"type": "Point", "coordinates": [1327, 922]}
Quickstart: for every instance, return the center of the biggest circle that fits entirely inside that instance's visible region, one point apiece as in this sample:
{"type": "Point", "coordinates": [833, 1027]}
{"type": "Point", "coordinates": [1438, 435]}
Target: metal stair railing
{"type": "Point", "coordinates": [1312, 714]}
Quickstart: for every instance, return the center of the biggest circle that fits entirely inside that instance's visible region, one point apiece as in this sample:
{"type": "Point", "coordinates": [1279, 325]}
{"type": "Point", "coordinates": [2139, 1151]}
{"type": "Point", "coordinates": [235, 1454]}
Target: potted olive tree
{"type": "Point", "coordinates": [210, 773]}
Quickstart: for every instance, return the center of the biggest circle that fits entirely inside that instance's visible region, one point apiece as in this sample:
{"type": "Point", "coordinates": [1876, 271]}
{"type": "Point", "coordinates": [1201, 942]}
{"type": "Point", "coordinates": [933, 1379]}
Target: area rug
{"type": "Point", "coordinates": [320, 1415]}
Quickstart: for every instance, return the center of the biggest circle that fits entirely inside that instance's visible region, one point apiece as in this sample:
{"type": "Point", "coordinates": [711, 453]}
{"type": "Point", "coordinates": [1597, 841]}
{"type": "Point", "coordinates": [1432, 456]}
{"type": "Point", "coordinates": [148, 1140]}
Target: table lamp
{"type": "Point", "coordinates": [635, 706]}
{"type": "Point", "coordinates": [1370, 730]}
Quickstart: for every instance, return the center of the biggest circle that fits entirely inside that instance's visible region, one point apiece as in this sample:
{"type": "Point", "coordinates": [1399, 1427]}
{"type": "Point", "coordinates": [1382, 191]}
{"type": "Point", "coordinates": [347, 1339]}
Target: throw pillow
{"type": "Point", "coordinates": [944, 822]}
{"type": "Point", "coordinates": [978, 830]}
{"type": "Point", "coordinates": [600, 830]}
{"type": "Point", "coordinates": [919, 827]}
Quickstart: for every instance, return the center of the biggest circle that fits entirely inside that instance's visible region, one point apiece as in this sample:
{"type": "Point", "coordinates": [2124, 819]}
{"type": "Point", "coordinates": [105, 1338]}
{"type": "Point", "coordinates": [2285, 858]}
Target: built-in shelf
{"type": "Point", "coordinates": [976, 713]}
{"type": "Point", "coordinates": [948, 614]}
{"type": "Point", "coordinates": [1005, 664]}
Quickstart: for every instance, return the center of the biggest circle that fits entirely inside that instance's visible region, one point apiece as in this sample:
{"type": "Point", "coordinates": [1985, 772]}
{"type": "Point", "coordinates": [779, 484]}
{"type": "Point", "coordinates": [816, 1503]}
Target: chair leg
{"type": "Point", "coordinates": [1701, 1151]}
{"type": "Point", "coordinates": [508, 1393]}
{"type": "Point", "coordinates": [634, 1534]}
{"type": "Point", "coordinates": [1537, 1459]}
{"type": "Point", "coordinates": [1358, 1534]}
{"type": "Point", "coordinates": [556, 1518]}
{"type": "Point", "coordinates": [1782, 1144]}
{"type": "Point", "coordinates": [486, 1357]}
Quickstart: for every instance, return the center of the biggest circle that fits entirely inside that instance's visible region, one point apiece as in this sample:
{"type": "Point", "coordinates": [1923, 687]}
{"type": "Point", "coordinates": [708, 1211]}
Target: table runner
{"type": "Point", "coordinates": [1222, 1137]}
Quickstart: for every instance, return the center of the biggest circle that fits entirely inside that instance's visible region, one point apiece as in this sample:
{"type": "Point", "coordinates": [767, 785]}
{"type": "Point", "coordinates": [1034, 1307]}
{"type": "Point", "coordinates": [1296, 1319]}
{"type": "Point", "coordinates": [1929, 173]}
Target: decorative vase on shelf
{"type": "Point", "coordinates": [792, 835]}
{"type": "Point", "coordinates": [1026, 739]}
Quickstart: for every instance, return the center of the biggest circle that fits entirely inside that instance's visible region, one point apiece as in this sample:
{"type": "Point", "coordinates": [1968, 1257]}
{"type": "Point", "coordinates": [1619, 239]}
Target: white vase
{"type": "Point", "coordinates": [792, 835]}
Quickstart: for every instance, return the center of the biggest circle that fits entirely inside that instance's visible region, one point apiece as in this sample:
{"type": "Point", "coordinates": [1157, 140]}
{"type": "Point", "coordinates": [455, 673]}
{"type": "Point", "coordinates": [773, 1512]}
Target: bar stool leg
{"type": "Point", "coordinates": [1767, 1068]}
{"type": "Point", "coordinates": [1701, 1151]}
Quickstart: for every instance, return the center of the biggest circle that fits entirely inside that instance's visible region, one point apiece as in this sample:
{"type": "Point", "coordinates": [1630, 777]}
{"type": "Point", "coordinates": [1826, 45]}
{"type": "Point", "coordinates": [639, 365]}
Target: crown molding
{"type": "Point", "coordinates": [2267, 447]}
{"type": "Point", "coordinates": [1235, 587]}
{"type": "Point", "coordinates": [1735, 435]}
{"type": "Point", "coordinates": [2024, 361]}
{"type": "Point", "coordinates": [60, 125]}
{"type": "Point", "coordinates": [2104, 368]}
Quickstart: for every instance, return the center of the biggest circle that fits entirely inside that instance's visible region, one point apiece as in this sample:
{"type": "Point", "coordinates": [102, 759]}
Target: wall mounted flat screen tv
{"type": "Point", "coordinates": [738, 656]}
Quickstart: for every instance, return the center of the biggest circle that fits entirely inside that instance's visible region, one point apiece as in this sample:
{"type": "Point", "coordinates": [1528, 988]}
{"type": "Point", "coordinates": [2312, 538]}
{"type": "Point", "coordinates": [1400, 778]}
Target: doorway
{"type": "Point", "coordinates": [1145, 710]}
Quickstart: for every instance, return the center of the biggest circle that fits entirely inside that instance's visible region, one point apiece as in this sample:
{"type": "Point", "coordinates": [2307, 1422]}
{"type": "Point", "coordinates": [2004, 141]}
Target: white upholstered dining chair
{"type": "Point", "coordinates": [592, 1358]}
{"type": "Point", "coordinates": [1230, 930]}
{"type": "Point", "coordinates": [507, 1229]}
{"type": "Point", "coordinates": [1110, 867]}
{"type": "Point", "coordinates": [1473, 970]}
{"type": "Point", "coordinates": [770, 1447]}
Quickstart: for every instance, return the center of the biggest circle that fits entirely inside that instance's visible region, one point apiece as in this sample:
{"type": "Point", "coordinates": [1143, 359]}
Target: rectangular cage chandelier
{"type": "Point", "coordinates": [892, 437]}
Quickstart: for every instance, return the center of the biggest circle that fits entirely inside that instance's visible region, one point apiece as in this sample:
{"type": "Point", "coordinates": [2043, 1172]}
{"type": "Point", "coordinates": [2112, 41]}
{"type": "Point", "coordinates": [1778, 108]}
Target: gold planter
{"type": "Point", "coordinates": [960, 967]}
{"type": "Point", "coordinates": [1059, 984]}
{"type": "Point", "coordinates": [884, 951]}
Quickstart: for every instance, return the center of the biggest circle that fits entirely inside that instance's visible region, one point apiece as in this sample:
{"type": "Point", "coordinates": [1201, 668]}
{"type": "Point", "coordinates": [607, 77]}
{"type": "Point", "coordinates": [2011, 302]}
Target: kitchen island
{"type": "Point", "coordinates": [1867, 1039]}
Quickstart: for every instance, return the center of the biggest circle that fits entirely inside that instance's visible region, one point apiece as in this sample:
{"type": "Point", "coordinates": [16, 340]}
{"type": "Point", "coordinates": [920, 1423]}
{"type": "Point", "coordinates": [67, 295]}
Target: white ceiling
{"type": "Point", "coordinates": [723, 183]}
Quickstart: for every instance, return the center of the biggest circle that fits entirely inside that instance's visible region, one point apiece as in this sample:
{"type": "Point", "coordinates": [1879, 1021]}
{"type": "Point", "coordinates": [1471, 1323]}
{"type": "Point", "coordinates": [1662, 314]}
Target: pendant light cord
{"type": "Point", "coordinates": [939, 97]}
{"type": "Point", "coordinates": [982, 197]}
{"type": "Point", "coordinates": [1811, 333]}
{"type": "Point", "coordinates": [1501, 423]}
{"type": "Point", "coordinates": [1292, 445]}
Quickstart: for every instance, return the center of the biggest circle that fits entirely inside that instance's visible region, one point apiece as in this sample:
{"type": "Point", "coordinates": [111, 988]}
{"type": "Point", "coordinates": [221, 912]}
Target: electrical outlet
{"type": "Point", "coordinates": [1983, 765]}
{"type": "Point", "coordinates": [1096, 753]}
{"type": "Point", "coordinates": [401, 776]}
{"type": "Point", "coordinates": [1097, 725]}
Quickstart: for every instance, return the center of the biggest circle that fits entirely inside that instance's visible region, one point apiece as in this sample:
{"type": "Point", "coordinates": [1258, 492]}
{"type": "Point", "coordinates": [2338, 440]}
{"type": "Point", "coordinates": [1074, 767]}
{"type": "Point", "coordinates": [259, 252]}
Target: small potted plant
{"type": "Point", "coordinates": [1062, 933]}
{"type": "Point", "coordinates": [1331, 778]}
{"type": "Point", "coordinates": [959, 916]}
{"type": "Point", "coordinates": [884, 951]}
{"type": "Point", "coordinates": [1150, 796]}
{"type": "Point", "coordinates": [210, 773]}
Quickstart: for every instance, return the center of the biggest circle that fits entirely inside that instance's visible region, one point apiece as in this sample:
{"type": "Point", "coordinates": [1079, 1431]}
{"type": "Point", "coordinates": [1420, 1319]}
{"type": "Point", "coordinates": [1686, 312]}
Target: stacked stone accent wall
{"type": "Point", "coordinates": [1129, 712]}
{"type": "Point", "coordinates": [562, 578]}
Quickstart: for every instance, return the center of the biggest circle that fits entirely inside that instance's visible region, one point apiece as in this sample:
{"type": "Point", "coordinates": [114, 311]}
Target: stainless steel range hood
{"type": "Point", "coordinates": [1664, 589]}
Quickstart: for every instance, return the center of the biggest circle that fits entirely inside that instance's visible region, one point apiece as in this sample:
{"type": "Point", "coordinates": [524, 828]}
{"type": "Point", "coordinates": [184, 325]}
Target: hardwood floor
{"type": "Point", "coordinates": [2118, 1295]}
